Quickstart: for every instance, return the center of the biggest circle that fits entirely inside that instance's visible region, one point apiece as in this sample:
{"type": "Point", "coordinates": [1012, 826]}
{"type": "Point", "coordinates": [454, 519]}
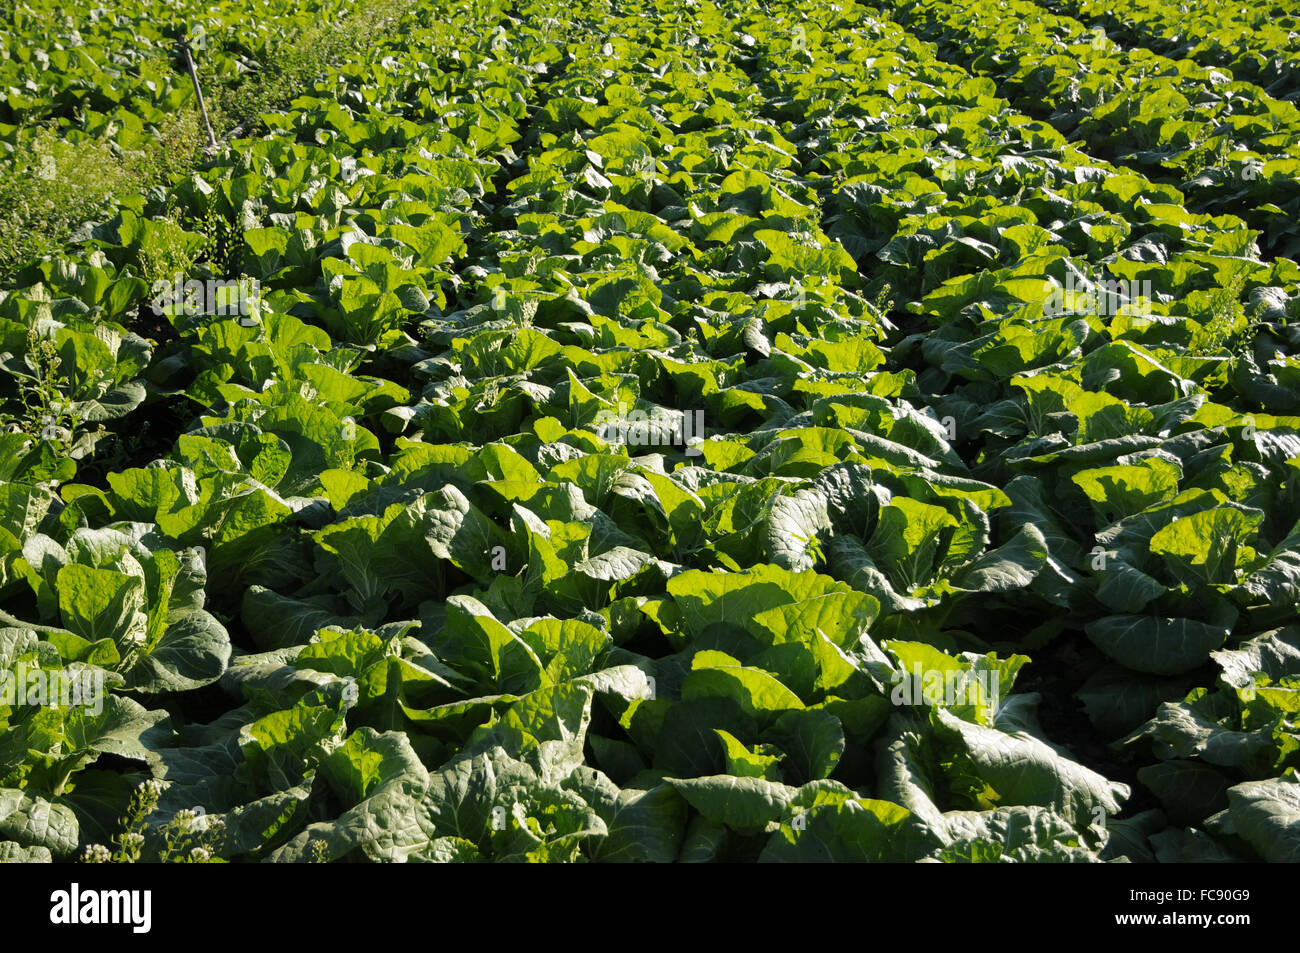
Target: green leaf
{"type": "Point", "coordinates": [1157, 645]}
{"type": "Point", "coordinates": [1202, 549]}
{"type": "Point", "coordinates": [746, 805]}
{"type": "Point", "coordinates": [642, 826]}
{"type": "Point", "coordinates": [102, 604]}
{"type": "Point", "coordinates": [812, 740]}
{"type": "Point", "coordinates": [1267, 816]}
{"type": "Point", "coordinates": [1007, 769]}
{"type": "Point", "coordinates": [35, 823]}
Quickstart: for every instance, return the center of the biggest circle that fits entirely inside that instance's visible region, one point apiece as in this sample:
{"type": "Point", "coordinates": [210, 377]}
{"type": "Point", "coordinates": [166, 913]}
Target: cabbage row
{"type": "Point", "coordinates": [1224, 140]}
{"type": "Point", "coordinates": [1258, 43]}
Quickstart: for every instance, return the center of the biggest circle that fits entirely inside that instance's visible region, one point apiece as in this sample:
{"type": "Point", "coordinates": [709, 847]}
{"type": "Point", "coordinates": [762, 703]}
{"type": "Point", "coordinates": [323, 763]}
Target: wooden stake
{"type": "Point", "coordinates": [198, 91]}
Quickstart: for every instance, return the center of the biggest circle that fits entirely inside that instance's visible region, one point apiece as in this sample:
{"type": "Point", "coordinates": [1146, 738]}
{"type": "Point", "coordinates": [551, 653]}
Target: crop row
{"type": "Point", "coordinates": [1224, 141]}
{"type": "Point", "coordinates": [163, 576]}
{"type": "Point", "coordinates": [1258, 42]}
{"type": "Point", "coordinates": [1000, 413]}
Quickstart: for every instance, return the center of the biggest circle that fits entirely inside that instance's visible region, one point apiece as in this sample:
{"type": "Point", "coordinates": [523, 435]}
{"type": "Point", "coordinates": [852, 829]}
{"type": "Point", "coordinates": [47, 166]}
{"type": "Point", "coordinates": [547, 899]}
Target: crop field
{"type": "Point", "coordinates": [649, 430]}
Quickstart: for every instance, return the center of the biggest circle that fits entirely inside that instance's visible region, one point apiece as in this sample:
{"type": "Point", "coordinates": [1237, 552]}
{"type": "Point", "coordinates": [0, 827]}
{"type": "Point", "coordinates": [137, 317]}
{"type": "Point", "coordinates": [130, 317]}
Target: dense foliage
{"type": "Point", "coordinates": [665, 431]}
